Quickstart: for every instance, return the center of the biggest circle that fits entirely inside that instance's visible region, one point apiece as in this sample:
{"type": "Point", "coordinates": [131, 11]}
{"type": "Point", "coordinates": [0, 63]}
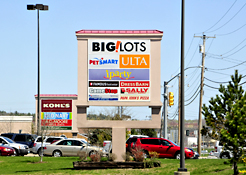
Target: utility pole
{"type": "Point", "coordinates": [202, 50]}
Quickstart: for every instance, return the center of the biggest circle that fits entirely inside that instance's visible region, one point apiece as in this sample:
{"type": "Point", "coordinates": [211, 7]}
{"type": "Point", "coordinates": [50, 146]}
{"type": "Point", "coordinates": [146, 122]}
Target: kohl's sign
{"type": "Point", "coordinates": [56, 105]}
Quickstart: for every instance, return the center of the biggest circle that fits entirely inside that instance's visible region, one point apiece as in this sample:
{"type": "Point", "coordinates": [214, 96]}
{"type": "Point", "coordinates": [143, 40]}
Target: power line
{"type": "Point", "coordinates": [175, 113]}
{"type": "Point", "coordinates": [218, 72]}
{"type": "Point", "coordinates": [216, 81]}
{"type": "Point", "coordinates": [193, 99]}
{"type": "Point", "coordinates": [191, 77]}
{"type": "Point", "coordinates": [235, 52]}
{"type": "Point", "coordinates": [232, 31]}
{"type": "Point", "coordinates": [228, 67]}
{"type": "Point", "coordinates": [194, 93]}
{"type": "Point", "coordinates": [228, 20]}
{"type": "Point", "coordinates": [234, 47]}
{"type": "Point", "coordinates": [194, 52]}
{"type": "Point", "coordinates": [222, 16]}
{"type": "Point", "coordinates": [242, 83]}
{"type": "Point", "coordinates": [210, 86]}
{"type": "Point", "coordinates": [222, 58]}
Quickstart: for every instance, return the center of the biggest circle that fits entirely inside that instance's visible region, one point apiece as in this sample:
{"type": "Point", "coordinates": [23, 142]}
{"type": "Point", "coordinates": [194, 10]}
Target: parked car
{"type": "Point", "coordinates": [6, 151]}
{"type": "Point", "coordinates": [165, 148]}
{"type": "Point", "coordinates": [27, 139]}
{"type": "Point", "coordinates": [220, 152]}
{"type": "Point", "coordinates": [36, 149]}
{"type": "Point", "coordinates": [132, 140]}
{"type": "Point", "coordinates": [223, 153]}
{"type": "Point", "coordinates": [196, 155]}
{"type": "Point", "coordinates": [71, 147]}
{"type": "Point", "coordinates": [20, 149]}
{"type": "Point", "coordinates": [107, 144]}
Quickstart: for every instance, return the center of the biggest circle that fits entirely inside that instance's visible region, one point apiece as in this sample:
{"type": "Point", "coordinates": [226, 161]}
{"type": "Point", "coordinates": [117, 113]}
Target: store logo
{"type": "Point", "coordinates": [56, 105]}
{"type": "Point", "coordinates": [103, 91]}
{"type": "Point", "coordinates": [134, 90]}
{"type": "Point", "coordinates": [124, 75]}
{"type": "Point", "coordinates": [103, 84]}
{"type": "Point", "coordinates": [119, 46]}
{"type": "Point", "coordinates": [102, 61]}
{"type": "Point", "coordinates": [134, 61]}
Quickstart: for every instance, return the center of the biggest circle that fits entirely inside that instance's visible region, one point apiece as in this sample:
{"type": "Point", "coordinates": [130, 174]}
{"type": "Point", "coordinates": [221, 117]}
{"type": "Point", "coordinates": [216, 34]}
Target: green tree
{"type": "Point", "coordinates": [149, 132]}
{"type": "Point", "coordinates": [226, 115]}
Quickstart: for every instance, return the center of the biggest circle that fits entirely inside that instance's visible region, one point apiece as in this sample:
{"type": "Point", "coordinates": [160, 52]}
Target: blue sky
{"type": "Point", "coordinates": [58, 45]}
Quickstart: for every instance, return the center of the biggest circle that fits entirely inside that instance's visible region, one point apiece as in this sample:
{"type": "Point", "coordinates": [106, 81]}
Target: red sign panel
{"type": "Point", "coordinates": [56, 122]}
{"type": "Point", "coordinates": [56, 106]}
{"type": "Point", "coordinates": [134, 83]}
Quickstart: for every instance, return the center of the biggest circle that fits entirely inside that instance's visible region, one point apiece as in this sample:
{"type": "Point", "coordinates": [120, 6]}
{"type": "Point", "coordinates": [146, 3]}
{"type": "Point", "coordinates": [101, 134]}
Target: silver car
{"type": "Point", "coordinates": [36, 149]}
{"type": "Point", "coordinates": [71, 147]}
{"type": "Point", "coordinates": [20, 149]}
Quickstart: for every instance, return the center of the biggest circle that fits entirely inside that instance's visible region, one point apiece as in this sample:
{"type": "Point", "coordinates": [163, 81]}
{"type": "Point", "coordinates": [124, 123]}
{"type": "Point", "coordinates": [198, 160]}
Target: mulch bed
{"type": "Point", "coordinates": [107, 165]}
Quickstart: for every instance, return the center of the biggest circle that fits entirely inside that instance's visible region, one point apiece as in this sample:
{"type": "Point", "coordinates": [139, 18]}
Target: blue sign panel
{"type": "Point", "coordinates": [119, 74]}
{"type": "Point", "coordinates": [56, 115]}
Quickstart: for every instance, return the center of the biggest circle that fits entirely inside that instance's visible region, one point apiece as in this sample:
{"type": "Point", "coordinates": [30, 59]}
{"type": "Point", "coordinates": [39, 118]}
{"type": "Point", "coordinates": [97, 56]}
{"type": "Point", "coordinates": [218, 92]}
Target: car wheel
{"type": "Point", "coordinates": [0, 153]}
{"type": "Point", "coordinates": [177, 155]}
{"type": "Point", "coordinates": [57, 153]}
{"type": "Point", "coordinates": [16, 152]}
{"type": "Point", "coordinates": [92, 153]}
{"type": "Point", "coordinates": [225, 156]}
{"type": "Point", "coordinates": [145, 154]}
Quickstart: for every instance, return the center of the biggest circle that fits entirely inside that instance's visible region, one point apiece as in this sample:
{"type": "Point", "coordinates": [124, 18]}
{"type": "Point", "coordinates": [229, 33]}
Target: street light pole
{"type": "Point", "coordinates": [38, 7]}
{"type": "Point", "coordinates": [182, 112]}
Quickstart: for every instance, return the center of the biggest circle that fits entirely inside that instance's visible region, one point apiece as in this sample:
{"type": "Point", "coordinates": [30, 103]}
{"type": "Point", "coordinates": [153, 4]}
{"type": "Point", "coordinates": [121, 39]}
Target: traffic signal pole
{"type": "Point", "coordinates": [165, 102]}
{"type": "Point", "coordinates": [165, 110]}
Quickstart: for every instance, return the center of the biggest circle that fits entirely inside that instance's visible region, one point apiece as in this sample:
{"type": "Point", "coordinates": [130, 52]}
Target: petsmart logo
{"type": "Point", "coordinates": [103, 61]}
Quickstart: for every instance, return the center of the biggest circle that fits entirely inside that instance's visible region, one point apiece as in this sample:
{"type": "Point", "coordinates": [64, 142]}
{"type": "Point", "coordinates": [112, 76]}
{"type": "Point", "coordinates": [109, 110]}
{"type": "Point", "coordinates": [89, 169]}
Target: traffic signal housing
{"type": "Point", "coordinates": [171, 99]}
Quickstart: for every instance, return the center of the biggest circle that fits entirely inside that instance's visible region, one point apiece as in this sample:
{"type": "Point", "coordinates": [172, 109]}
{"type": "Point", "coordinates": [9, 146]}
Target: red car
{"type": "Point", "coordinates": [6, 151]}
{"type": "Point", "coordinates": [165, 148]}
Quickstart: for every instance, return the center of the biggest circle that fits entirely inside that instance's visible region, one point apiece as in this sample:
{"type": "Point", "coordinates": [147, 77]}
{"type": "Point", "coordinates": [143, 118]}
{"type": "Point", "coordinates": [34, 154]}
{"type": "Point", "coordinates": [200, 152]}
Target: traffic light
{"type": "Point", "coordinates": [171, 99]}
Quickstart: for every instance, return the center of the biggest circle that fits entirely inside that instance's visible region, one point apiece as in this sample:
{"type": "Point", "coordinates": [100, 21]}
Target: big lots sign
{"type": "Point", "coordinates": [56, 114]}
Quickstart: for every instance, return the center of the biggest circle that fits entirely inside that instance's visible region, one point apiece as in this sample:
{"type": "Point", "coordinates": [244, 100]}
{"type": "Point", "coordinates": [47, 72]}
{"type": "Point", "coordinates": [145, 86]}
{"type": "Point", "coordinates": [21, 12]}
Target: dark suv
{"type": "Point", "coordinates": [27, 139]}
{"type": "Point", "coordinates": [164, 147]}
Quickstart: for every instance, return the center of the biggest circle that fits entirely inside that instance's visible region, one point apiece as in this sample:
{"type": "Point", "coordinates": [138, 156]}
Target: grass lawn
{"type": "Point", "coordinates": [64, 165]}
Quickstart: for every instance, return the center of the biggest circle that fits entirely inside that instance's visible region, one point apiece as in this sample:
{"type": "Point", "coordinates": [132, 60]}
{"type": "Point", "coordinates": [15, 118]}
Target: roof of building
{"type": "Point", "coordinates": [57, 95]}
{"type": "Point", "coordinates": [119, 32]}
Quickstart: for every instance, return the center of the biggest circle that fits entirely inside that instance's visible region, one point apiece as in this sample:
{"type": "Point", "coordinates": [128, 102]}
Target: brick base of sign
{"type": "Point", "coordinates": [107, 165]}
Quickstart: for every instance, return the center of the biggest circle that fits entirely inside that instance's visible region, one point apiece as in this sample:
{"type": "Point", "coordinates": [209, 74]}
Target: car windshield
{"type": "Point", "coordinates": [85, 142]}
{"type": "Point", "coordinates": [9, 140]}
{"type": "Point", "coordinates": [174, 143]}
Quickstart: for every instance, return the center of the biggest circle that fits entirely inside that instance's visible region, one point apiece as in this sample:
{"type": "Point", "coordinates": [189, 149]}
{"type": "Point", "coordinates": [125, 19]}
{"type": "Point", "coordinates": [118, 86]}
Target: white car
{"type": "Point", "coordinates": [20, 149]}
{"type": "Point", "coordinates": [71, 147]}
{"type": "Point", "coordinates": [220, 152]}
{"type": "Point", "coordinates": [36, 149]}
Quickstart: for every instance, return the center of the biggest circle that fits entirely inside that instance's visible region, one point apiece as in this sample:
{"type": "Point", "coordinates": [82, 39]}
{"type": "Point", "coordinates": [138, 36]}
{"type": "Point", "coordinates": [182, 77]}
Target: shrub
{"type": "Point", "coordinates": [112, 157]}
{"type": "Point", "coordinates": [82, 155]}
{"type": "Point", "coordinates": [127, 156]}
{"type": "Point", "coordinates": [138, 154]}
{"type": "Point", "coordinates": [153, 154]}
{"type": "Point", "coordinates": [95, 157]}
{"type": "Point", "coordinates": [152, 162]}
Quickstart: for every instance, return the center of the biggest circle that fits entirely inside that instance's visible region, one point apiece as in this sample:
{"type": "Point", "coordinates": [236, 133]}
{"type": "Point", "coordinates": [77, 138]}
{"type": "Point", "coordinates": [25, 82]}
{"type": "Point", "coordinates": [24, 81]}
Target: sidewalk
{"type": "Point", "coordinates": [32, 155]}
{"type": "Point", "coordinates": [208, 157]}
